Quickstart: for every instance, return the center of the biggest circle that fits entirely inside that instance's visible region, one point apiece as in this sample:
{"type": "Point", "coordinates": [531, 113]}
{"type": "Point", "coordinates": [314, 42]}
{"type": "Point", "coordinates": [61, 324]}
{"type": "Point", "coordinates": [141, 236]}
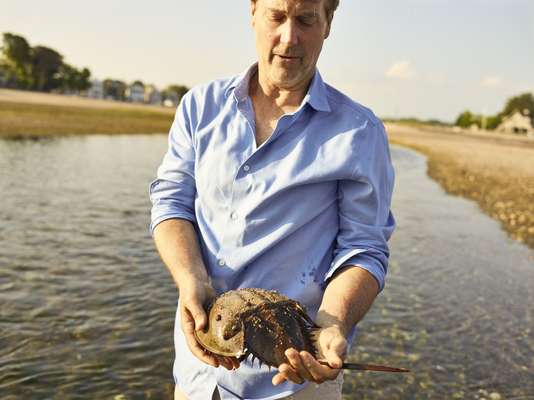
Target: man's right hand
{"type": "Point", "coordinates": [194, 293]}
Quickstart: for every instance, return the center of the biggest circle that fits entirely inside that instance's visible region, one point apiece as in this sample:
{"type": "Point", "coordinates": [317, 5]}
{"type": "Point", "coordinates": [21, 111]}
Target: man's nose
{"type": "Point", "coordinates": [289, 33]}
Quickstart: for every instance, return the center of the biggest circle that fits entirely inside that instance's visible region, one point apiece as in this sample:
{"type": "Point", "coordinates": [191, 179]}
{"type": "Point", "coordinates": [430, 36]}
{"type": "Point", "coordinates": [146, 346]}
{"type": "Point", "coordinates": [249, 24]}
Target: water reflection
{"type": "Point", "coordinates": [87, 309]}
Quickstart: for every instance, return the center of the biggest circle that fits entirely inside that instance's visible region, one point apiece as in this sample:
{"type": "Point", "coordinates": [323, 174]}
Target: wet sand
{"type": "Point", "coordinates": [496, 171]}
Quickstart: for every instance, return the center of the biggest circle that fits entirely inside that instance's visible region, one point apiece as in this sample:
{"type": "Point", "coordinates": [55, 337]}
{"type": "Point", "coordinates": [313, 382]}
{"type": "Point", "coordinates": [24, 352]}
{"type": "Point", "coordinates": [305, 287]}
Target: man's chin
{"type": "Point", "coordinates": [286, 79]}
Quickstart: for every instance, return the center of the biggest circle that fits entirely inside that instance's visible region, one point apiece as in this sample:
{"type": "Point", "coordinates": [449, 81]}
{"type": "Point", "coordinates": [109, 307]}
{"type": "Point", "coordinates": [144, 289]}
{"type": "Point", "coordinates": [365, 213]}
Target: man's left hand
{"type": "Point", "coordinates": [331, 347]}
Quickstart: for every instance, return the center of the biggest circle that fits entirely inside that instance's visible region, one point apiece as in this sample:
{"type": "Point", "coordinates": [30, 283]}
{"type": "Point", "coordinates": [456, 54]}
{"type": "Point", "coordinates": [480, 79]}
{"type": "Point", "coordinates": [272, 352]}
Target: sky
{"type": "Point", "coordinates": [429, 59]}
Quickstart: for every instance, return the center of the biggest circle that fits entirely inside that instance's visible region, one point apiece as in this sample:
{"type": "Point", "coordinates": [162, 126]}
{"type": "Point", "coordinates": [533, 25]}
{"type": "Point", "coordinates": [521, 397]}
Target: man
{"type": "Point", "coordinates": [274, 179]}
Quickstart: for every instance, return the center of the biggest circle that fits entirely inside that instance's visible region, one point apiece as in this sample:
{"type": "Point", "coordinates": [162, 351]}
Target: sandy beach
{"type": "Point", "coordinates": [21, 96]}
{"type": "Point", "coordinates": [32, 115]}
{"type": "Point", "coordinates": [496, 171]}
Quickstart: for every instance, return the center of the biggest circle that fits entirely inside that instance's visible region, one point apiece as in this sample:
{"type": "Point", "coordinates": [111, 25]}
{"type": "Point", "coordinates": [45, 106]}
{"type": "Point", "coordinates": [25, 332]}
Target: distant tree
{"type": "Point", "coordinates": [138, 83]}
{"type": "Point", "coordinates": [17, 60]}
{"type": "Point", "coordinates": [4, 75]}
{"type": "Point", "coordinates": [46, 66]}
{"type": "Point", "coordinates": [66, 77]}
{"type": "Point", "coordinates": [465, 119]}
{"type": "Point", "coordinates": [114, 89]}
{"type": "Point", "coordinates": [174, 92]}
{"type": "Point", "coordinates": [519, 103]}
{"type": "Point", "coordinates": [436, 122]}
{"type": "Point", "coordinates": [493, 121]}
{"type": "Point", "coordinates": [73, 80]}
{"type": "Point", "coordinates": [84, 79]}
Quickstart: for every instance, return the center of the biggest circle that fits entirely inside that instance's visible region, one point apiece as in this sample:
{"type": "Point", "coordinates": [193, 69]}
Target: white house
{"type": "Point", "coordinates": [152, 95]}
{"type": "Point", "coordinates": [517, 123]}
{"type": "Point", "coordinates": [136, 92]}
{"type": "Point", "coordinates": [96, 91]}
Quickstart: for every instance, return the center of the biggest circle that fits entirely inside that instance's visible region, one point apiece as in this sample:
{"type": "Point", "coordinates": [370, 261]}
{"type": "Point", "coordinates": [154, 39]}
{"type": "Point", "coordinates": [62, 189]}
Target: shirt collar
{"type": "Point", "coordinates": [316, 96]}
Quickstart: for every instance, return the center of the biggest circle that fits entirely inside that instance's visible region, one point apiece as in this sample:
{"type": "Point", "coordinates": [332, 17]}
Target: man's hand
{"type": "Point", "coordinates": [193, 295]}
{"type": "Point", "coordinates": [348, 296]}
{"type": "Point", "coordinates": [331, 347]}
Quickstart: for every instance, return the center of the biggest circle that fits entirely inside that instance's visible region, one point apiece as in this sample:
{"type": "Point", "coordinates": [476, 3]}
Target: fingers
{"type": "Point", "coordinates": [225, 362]}
{"type": "Point", "coordinates": [286, 373]}
{"type": "Point", "coordinates": [235, 362]}
{"type": "Point", "coordinates": [188, 327]}
{"type": "Point", "coordinates": [296, 362]}
{"type": "Point", "coordinates": [319, 372]}
{"type": "Point", "coordinates": [303, 366]}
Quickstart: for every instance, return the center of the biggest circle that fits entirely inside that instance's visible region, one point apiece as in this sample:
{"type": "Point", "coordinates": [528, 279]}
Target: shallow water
{"type": "Point", "coordinates": [87, 308]}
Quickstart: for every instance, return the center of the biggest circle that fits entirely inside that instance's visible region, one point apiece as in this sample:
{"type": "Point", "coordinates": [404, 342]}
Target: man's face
{"type": "Point", "coordinates": [289, 39]}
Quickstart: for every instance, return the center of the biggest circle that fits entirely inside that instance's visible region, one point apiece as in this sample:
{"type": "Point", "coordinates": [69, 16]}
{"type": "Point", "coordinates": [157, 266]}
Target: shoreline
{"type": "Point", "coordinates": [495, 172]}
{"type": "Point", "coordinates": [31, 115]}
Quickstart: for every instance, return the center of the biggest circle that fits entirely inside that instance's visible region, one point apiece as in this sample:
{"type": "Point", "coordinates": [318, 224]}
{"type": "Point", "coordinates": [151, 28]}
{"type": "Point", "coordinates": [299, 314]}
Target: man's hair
{"type": "Point", "coordinates": [330, 5]}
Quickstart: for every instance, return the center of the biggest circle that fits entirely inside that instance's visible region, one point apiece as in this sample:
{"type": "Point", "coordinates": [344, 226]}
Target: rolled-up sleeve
{"type": "Point", "coordinates": [364, 208]}
{"type": "Point", "coordinates": [173, 192]}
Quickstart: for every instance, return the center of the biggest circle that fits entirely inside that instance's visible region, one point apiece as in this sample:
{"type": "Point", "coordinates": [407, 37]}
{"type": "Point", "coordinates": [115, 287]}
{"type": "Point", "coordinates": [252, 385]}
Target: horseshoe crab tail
{"type": "Point", "coordinates": [368, 367]}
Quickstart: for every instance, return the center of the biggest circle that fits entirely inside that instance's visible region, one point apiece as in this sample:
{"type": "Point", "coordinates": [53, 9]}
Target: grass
{"type": "Point", "coordinates": [26, 120]}
{"type": "Point", "coordinates": [496, 172]}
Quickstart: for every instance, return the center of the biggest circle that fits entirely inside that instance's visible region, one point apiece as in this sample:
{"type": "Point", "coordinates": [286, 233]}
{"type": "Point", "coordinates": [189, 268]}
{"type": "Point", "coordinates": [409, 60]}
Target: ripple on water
{"type": "Point", "coordinates": [88, 310]}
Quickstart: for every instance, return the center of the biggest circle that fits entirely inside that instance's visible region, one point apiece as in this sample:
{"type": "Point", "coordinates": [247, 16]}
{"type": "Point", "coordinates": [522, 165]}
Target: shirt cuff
{"type": "Point", "coordinates": [359, 258]}
{"type": "Point", "coordinates": [176, 215]}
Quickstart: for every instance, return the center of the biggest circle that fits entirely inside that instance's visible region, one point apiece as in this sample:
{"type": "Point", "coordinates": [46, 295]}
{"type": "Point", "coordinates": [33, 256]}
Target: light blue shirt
{"type": "Point", "coordinates": [285, 215]}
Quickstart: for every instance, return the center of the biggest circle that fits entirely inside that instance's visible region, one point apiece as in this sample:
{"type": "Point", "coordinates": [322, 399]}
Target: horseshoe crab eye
{"type": "Point", "coordinates": [231, 331]}
{"type": "Point", "coordinates": [218, 317]}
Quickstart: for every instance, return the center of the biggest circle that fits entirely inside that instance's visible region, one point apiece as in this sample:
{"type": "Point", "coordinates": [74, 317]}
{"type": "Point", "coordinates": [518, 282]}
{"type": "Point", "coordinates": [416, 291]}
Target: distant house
{"type": "Point", "coordinates": [517, 123]}
{"type": "Point", "coordinates": [135, 93]}
{"type": "Point", "coordinates": [152, 95]}
{"type": "Point", "coordinates": [96, 91]}
{"type": "Point", "coordinates": [114, 90]}
{"type": "Point", "coordinates": [169, 102]}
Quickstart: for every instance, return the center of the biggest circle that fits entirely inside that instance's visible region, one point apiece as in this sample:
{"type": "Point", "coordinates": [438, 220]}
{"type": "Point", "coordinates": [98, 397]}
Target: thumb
{"type": "Point", "coordinates": [336, 352]}
{"type": "Point", "coordinates": [199, 315]}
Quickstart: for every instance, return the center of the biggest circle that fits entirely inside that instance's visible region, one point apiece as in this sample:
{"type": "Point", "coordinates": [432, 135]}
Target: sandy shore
{"type": "Point", "coordinates": [495, 171]}
{"type": "Point", "coordinates": [29, 114]}
{"type": "Point", "coordinates": [22, 96]}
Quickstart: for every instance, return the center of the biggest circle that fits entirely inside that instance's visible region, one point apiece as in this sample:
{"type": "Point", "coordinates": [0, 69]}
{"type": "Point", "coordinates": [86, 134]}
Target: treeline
{"type": "Point", "coordinates": [523, 103]}
{"type": "Point", "coordinates": [38, 68]}
{"type": "Point", "coordinates": [417, 121]}
{"type": "Point", "coordinates": [42, 68]}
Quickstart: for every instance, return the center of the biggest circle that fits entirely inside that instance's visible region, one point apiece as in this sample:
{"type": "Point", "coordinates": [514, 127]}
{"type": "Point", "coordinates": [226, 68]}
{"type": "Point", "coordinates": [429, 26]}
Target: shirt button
{"type": "Point", "coordinates": [233, 215]}
{"type": "Point", "coordinates": [246, 168]}
{"type": "Point", "coordinates": [221, 263]}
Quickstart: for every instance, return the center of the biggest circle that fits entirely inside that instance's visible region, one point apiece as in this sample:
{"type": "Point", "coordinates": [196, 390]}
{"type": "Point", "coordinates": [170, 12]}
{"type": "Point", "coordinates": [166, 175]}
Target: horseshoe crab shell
{"type": "Point", "coordinates": [256, 321]}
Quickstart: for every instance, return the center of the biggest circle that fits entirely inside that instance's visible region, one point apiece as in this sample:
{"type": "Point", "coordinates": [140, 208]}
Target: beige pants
{"type": "Point", "coordinates": [329, 390]}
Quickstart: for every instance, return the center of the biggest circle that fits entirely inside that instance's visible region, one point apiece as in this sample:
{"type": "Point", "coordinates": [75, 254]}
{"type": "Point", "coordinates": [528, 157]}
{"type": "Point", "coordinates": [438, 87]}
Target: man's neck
{"type": "Point", "coordinates": [284, 99]}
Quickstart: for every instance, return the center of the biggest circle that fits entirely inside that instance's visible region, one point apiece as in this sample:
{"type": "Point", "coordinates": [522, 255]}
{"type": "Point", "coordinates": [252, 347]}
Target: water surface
{"type": "Point", "coordinates": [87, 308]}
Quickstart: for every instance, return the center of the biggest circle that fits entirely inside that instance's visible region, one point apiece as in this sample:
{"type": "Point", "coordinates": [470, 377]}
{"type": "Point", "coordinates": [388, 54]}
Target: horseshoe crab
{"type": "Point", "coordinates": [264, 324]}
{"type": "Point", "coordinates": [256, 322]}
